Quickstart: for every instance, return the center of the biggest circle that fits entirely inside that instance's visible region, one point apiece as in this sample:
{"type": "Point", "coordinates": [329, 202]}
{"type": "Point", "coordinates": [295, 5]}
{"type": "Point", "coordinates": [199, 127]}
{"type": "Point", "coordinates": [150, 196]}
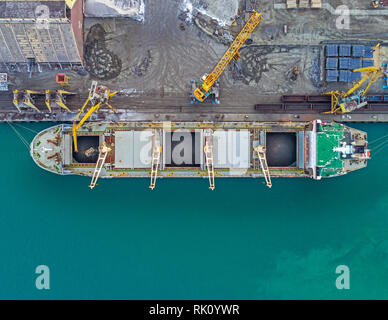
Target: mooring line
{"type": "Point", "coordinates": [378, 139]}
{"type": "Point", "coordinates": [31, 130]}
{"type": "Point", "coordinates": [22, 139]}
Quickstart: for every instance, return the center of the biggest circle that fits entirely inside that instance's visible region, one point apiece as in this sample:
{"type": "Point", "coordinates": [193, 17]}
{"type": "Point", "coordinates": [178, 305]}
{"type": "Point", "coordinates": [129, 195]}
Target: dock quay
{"type": "Point", "coordinates": [289, 108]}
{"type": "Point", "coordinates": [187, 114]}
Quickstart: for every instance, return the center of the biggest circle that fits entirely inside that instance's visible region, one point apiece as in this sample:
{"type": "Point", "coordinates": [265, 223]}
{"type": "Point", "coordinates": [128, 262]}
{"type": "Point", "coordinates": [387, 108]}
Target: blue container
{"type": "Point", "coordinates": [355, 63]}
{"type": "Point", "coordinates": [367, 63]}
{"type": "Point", "coordinates": [373, 98]}
{"type": "Point", "coordinates": [332, 63]}
{"type": "Point", "coordinates": [345, 76]}
{"type": "Point", "coordinates": [332, 76]}
{"type": "Point", "coordinates": [344, 63]}
{"type": "Point", "coordinates": [332, 50]}
{"type": "Point", "coordinates": [358, 51]}
{"type": "Point", "coordinates": [368, 52]}
{"type": "Point", "coordinates": [345, 50]}
{"type": "Point", "coordinates": [356, 76]}
{"type": "Point", "coordinates": [328, 79]}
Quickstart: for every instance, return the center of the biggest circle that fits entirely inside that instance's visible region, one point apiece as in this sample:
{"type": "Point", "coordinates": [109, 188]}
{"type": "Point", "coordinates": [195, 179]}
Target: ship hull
{"type": "Point", "coordinates": [294, 149]}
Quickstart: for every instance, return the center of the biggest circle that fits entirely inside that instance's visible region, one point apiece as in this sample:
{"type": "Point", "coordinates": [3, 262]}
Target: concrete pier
{"type": "Point", "coordinates": [128, 110]}
{"type": "Point", "coordinates": [215, 114]}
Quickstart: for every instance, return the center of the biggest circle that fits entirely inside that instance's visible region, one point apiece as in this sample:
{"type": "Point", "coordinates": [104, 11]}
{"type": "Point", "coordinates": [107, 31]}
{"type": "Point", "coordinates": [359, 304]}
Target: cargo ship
{"type": "Point", "coordinates": [313, 149]}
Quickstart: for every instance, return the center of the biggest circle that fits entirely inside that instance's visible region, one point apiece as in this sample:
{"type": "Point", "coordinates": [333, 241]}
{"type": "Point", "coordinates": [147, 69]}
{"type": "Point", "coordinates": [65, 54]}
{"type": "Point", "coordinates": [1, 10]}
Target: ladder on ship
{"type": "Point", "coordinates": [209, 157]}
{"type": "Point", "coordinates": [260, 151]}
{"type": "Point", "coordinates": [156, 154]}
{"type": "Point", "coordinates": [103, 152]}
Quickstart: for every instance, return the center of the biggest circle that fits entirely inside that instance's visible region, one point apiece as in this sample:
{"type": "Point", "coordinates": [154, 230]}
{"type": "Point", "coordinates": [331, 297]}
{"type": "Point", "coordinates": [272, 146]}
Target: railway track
{"type": "Point", "coordinates": [320, 104]}
{"type": "Point", "coordinates": [291, 108]}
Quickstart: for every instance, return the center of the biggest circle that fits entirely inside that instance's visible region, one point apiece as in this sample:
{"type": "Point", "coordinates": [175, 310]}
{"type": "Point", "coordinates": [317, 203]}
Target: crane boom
{"type": "Point", "coordinates": [260, 150]}
{"type": "Point", "coordinates": [98, 95]}
{"type": "Point", "coordinates": [103, 152]}
{"type": "Point", "coordinates": [156, 152]}
{"type": "Point", "coordinates": [209, 157]}
{"type": "Point", "coordinates": [232, 52]}
{"type": "Point", "coordinates": [354, 98]}
{"type": "Point", "coordinates": [372, 80]}
{"type": "Point", "coordinates": [370, 70]}
{"type": "Point", "coordinates": [155, 162]}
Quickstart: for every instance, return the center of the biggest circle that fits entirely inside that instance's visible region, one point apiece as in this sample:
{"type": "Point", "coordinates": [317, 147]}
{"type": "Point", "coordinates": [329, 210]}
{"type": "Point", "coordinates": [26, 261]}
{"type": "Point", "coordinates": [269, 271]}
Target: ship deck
{"type": "Point", "coordinates": [292, 149]}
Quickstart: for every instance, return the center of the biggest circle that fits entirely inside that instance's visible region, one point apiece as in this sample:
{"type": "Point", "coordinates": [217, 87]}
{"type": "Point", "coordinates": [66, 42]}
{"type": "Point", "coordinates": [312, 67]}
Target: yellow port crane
{"type": "Point", "coordinates": [202, 92]}
{"type": "Point", "coordinates": [98, 95]}
{"type": "Point", "coordinates": [59, 99]}
{"type": "Point", "coordinates": [345, 102]}
{"type": "Point", "coordinates": [27, 100]}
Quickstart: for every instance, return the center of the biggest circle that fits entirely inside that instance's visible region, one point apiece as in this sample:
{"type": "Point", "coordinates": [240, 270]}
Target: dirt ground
{"type": "Point", "coordinates": [152, 63]}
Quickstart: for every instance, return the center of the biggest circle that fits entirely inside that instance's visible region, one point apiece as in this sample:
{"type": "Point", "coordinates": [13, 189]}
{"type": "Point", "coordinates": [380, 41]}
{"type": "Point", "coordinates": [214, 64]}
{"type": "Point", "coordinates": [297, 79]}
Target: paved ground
{"type": "Point", "coordinates": [155, 60]}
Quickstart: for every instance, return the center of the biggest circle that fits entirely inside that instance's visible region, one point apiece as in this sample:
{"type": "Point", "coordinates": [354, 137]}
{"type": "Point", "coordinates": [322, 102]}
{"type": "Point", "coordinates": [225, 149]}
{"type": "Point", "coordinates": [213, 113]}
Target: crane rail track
{"type": "Point", "coordinates": [291, 108]}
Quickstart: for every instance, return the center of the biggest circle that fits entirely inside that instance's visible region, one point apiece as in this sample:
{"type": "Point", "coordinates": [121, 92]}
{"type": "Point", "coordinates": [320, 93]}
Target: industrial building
{"type": "Point", "coordinates": [41, 34]}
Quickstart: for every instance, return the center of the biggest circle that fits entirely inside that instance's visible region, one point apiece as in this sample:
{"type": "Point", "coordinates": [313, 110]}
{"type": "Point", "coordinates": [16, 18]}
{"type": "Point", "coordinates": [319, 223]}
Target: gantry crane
{"type": "Point", "coordinates": [103, 153]}
{"type": "Point", "coordinates": [98, 95]}
{"type": "Point", "coordinates": [261, 153]}
{"type": "Point", "coordinates": [345, 102]}
{"type": "Point", "coordinates": [209, 157]}
{"type": "Point", "coordinates": [156, 154]}
{"type": "Point", "coordinates": [202, 92]}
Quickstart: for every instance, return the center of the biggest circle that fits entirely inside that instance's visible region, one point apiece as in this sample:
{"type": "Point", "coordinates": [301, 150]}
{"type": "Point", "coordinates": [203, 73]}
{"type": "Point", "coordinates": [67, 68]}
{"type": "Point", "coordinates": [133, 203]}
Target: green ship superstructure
{"type": "Point", "coordinates": [339, 149]}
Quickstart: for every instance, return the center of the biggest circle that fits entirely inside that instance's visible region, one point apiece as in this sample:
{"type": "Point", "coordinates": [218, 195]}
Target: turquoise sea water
{"type": "Point", "coordinates": [182, 241]}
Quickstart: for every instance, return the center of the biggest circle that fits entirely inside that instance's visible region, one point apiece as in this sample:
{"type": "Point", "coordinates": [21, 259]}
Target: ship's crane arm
{"type": "Point", "coordinates": [155, 162]}
{"type": "Point", "coordinates": [261, 153]}
{"type": "Point", "coordinates": [98, 95]}
{"type": "Point", "coordinates": [209, 157]}
{"type": "Point", "coordinates": [233, 51]}
{"type": "Point", "coordinates": [103, 152]}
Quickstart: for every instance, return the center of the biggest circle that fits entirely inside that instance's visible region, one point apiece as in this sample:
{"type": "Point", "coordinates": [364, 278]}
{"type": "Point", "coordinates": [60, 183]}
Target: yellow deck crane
{"type": "Point", "coordinates": [345, 102]}
{"type": "Point", "coordinates": [98, 95]}
{"type": "Point", "coordinates": [202, 92]}
{"type": "Point", "coordinates": [103, 153]}
{"type": "Point", "coordinates": [261, 153]}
